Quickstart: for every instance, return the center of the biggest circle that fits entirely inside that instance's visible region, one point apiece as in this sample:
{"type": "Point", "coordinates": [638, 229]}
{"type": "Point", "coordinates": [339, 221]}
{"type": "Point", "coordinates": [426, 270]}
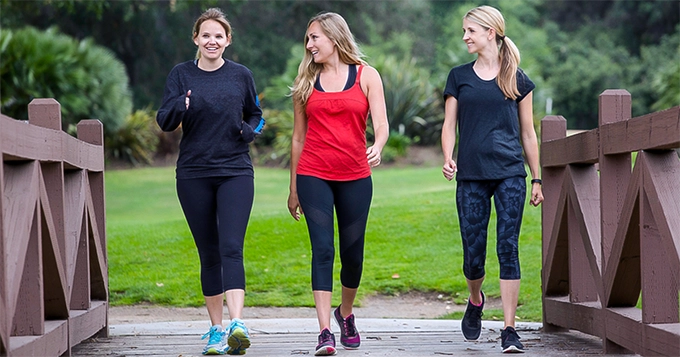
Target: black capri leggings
{"type": "Point", "coordinates": [473, 200]}
{"type": "Point", "coordinates": [352, 200]}
{"type": "Point", "coordinates": [217, 210]}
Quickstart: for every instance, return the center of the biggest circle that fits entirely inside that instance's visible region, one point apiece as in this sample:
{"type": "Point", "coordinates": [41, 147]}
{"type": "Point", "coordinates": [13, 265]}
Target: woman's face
{"type": "Point", "coordinates": [321, 47]}
{"type": "Point", "coordinates": [475, 36]}
{"type": "Point", "coordinates": [212, 40]}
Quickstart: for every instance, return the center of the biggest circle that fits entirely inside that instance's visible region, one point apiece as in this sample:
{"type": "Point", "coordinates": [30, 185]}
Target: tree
{"type": "Point", "coordinates": [586, 64]}
{"type": "Point", "coordinates": [87, 80]}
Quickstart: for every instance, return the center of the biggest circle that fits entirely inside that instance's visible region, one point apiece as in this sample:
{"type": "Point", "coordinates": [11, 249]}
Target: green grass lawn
{"type": "Point", "coordinates": [412, 233]}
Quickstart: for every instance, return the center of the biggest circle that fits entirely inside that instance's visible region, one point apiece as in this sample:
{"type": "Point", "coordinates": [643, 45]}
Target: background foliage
{"type": "Point", "coordinates": [86, 78]}
{"type": "Point", "coordinates": [572, 50]}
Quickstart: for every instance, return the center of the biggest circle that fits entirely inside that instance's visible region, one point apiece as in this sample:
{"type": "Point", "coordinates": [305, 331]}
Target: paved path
{"type": "Point", "coordinates": [297, 337]}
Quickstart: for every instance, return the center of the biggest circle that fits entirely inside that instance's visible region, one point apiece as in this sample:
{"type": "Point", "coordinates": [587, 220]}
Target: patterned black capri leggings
{"type": "Point", "coordinates": [351, 200]}
{"type": "Point", "coordinates": [473, 200]}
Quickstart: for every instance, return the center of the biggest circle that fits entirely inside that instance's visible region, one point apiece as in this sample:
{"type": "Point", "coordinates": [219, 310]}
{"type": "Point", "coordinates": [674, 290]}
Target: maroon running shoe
{"type": "Point", "coordinates": [326, 346]}
{"type": "Point", "coordinates": [349, 336]}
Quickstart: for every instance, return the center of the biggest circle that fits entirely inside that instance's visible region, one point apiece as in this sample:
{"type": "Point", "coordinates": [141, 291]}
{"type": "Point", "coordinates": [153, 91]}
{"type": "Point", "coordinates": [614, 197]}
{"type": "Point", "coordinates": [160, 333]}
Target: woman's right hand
{"type": "Point", "coordinates": [294, 206]}
{"type": "Point", "coordinates": [449, 169]}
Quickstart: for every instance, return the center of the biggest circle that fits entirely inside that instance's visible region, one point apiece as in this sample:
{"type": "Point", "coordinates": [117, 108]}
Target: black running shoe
{"type": "Point", "coordinates": [510, 341]}
{"type": "Point", "coordinates": [471, 325]}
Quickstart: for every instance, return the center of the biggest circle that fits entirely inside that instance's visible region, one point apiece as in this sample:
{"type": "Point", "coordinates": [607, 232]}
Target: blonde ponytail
{"type": "Point", "coordinates": [509, 61]}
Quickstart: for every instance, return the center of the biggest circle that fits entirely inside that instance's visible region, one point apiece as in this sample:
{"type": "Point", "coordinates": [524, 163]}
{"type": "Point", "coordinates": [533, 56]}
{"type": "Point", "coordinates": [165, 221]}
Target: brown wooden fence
{"type": "Point", "coordinates": [53, 266]}
{"type": "Point", "coordinates": [611, 229]}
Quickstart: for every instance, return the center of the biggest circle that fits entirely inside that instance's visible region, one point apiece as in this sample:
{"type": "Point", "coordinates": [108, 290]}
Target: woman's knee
{"type": "Point", "coordinates": [474, 272]}
{"type": "Point", "coordinates": [509, 265]}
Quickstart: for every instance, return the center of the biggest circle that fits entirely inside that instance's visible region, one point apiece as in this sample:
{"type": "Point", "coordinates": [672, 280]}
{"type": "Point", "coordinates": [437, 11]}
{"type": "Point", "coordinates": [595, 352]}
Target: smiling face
{"type": "Point", "coordinates": [211, 40]}
{"type": "Point", "coordinates": [477, 37]}
{"type": "Point", "coordinates": [318, 44]}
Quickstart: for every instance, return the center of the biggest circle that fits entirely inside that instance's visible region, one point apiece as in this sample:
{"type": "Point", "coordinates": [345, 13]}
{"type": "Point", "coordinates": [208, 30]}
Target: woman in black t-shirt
{"type": "Point", "coordinates": [489, 102]}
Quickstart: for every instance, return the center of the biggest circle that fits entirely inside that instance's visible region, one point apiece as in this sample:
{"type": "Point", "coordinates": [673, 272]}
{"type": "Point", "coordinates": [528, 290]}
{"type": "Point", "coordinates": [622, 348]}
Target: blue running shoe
{"type": "Point", "coordinates": [238, 339]}
{"type": "Point", "coordinates": [216, 341]}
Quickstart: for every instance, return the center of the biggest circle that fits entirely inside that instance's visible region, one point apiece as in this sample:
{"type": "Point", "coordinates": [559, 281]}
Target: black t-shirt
{"type": "Point", "coordinates": [218, 125]}
{"type": "Point", "coordinates": [488, 125]}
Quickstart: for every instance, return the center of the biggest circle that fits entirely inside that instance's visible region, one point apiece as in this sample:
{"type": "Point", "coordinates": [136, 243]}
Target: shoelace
{"type": "Point", "coordinates": [325, 336]}
{"type": "Point", "coordinates": [349, 325]}
{"type": "Point", "coordinates": [511, 333]}
{"type": "Point", "coordinates": [215, 336]}
{"type": "Point", "coordinates": [477, 313]}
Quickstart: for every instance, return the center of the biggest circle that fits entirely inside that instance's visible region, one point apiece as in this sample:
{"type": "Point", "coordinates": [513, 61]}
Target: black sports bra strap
{"type": "Point", "coordinates": [351, 79]}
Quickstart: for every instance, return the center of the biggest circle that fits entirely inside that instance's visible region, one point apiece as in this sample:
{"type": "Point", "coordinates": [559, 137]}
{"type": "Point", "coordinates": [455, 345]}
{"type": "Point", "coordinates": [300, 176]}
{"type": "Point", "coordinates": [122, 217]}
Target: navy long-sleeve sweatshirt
{"type": "Point", "coordinates": [223, 103]}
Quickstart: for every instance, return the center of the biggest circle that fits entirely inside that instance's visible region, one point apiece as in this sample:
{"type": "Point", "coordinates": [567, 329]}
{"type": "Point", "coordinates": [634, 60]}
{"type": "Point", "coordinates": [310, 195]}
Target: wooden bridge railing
{"type": "Point", "coordinates": [611, 234]}
{"type": "Point", "coordinates": [53, 266]}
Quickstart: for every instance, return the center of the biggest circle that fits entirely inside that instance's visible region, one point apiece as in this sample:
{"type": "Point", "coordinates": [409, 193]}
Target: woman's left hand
{"type": "Point", "coordinates": [373, 156]}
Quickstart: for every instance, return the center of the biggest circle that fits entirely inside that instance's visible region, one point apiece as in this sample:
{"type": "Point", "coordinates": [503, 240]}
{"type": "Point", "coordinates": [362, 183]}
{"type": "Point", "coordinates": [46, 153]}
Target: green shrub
{"type": "Point", "coordinates": [87, 80]}
{"type": "Point", "coordinates": [414, 107]}
{"type": "Point", "coordinates": [399, 142]}
{"type": "Point", "coordinates": [278, 133]}
{"type": "Point", "coordinates": [136, 140]}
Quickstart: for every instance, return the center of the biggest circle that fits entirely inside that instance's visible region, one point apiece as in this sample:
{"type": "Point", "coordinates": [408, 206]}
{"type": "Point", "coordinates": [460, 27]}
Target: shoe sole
{"type": "Point", "coordinates": [472, 338]}
{"type": "Point", "coordinates": [238, 342]}
{"type": "Point", "coordinates": [513, 349]}
{"type": "Point", "coordinates": [325, 351]}
{"type": "Point", "coordinates": [212, 351]}
{"type": "Point", "coordinates": [350, 347]}
{"type": "Point", "coordinates": [236, 352]}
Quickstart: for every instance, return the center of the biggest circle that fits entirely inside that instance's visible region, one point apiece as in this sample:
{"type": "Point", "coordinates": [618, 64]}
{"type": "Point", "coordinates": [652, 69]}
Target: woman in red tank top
{"type": "Point", "coordinates": [331, 164]}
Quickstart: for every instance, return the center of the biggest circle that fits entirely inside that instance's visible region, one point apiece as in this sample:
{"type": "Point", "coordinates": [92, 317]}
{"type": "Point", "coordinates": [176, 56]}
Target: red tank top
{"type": "Point", "coordinates": [335, 144]}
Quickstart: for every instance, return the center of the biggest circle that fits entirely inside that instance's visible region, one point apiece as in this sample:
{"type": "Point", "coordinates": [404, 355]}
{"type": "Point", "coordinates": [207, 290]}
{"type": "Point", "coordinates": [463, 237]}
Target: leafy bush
{"type": "Point", "coordinates": [278, 133]}
{"type": "Point", "coordinates": [87, 80]}
{"type": "Point", "coordinates": [414, 106]}
{"type": "Point", "coordinates": [136, 140]}
{"type": "Point", "coordinates": [397, 146]}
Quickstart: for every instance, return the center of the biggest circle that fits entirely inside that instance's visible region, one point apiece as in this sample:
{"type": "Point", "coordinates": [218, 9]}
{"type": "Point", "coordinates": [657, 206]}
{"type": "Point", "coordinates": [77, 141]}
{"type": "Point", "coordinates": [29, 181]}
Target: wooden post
{"type": "Point", "coordinates": [45, 112]}
{"type": "Point", "coordinates": [4, 319]}
{"type": "Point", "coordinates": [615, 170]}
{"type": "Point", "coordinates": [552, 128]}
{"type": "Point", "coordinates": [92, 131]}
{"type": "Point", "coordinates": [615, 173]}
